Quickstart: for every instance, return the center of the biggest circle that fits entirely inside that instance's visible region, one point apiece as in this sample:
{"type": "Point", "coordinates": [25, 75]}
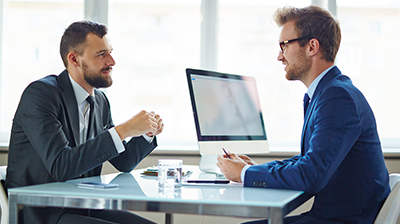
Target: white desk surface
{"type": "Point", "coordinates": [141, 193]}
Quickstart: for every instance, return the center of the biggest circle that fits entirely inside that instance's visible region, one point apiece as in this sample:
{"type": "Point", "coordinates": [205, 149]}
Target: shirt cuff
{"type": "Point", "coordinates": [148, 139]}
{"type": "Point", "coordinates": [242, 174]}
{"type": "Point", "coordinates": [117, 140]}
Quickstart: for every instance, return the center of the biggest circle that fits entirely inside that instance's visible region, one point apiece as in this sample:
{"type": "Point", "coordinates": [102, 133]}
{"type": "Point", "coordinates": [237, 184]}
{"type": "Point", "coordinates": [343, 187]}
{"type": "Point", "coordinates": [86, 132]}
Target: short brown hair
{"type": "Point", "coordinates": [313, 21]}
{"type": "Point", "coordinates": [74, 37]}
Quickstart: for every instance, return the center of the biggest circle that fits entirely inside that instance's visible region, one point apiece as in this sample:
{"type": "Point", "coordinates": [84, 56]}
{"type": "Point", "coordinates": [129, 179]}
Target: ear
{"type": "Point", "coordinates": [313, 47]}
{"type": "Point", "coordinates": [73, 59]}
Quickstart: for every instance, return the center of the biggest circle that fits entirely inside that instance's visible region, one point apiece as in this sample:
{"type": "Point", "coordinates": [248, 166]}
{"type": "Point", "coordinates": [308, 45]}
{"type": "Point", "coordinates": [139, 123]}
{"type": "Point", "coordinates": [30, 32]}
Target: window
{"type": "Point", "coordinates": [31, 36]}
{"type": "Point", "coordinates": [248, 45]}
{"type": "Point", "coordinates": [154, 42]}
{"type": "Point", "coordinates": [369, 59]}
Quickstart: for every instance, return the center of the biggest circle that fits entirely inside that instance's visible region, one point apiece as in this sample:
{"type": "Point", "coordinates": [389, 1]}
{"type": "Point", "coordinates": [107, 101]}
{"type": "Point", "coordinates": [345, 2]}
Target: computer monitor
{"type": "Point", "coordinates": [227, 113]}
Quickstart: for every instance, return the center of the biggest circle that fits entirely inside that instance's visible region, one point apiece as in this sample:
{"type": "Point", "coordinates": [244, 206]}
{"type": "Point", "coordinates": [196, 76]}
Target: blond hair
{"type": "Point", "coordinates": [313, 21]}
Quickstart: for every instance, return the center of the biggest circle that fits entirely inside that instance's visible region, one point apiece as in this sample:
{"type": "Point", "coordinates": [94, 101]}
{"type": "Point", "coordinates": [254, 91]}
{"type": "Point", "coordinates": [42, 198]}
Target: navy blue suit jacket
{"type": "Point", "coordinates": [44, 144]}
{"type": "Point", "coordinates": [341, 161]}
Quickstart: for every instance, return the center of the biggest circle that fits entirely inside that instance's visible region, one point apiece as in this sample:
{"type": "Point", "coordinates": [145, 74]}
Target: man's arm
{"type": "Point", "coordinates": [135, 151]}
{"type": "Point", "coordinates": [333, 128]}
{"type": "Point", "coordinates": [234, 169]}
{"type": "Point", "coordinates": [44, 120]}
{"type": "Point", "coordinates": [131, 153]}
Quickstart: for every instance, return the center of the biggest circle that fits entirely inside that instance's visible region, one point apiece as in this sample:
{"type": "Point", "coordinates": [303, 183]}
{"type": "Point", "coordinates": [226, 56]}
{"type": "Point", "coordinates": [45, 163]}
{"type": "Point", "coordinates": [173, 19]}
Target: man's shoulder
{"type": "Point", "coordinates": [344, 83]}
{"type": "Point", "coordinates": [51, 81]}
{"type": "Point", "coordinates": [54, 79]}
{"type": "Point", "coordinates": [335, 80]}
{"type": "Point", "coordinates": [340, 91]}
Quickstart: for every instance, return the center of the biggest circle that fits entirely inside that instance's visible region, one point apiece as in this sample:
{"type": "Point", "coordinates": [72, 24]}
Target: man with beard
{"type": "Point", "coordinates": [341, 161]}
{"type": "Point", "coordinates": [63, 129]}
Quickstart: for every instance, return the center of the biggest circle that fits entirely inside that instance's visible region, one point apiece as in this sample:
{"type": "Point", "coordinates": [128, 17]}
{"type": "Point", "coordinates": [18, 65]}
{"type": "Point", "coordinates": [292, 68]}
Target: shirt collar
{"type": "Point", "coordinates": [80, 92]}
{"type": "Point", "coordinates": [314, 84]}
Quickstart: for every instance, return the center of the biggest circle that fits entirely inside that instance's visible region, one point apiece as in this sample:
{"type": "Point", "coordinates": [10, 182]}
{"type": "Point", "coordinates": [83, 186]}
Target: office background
{"type": "Point", "coordinates": [156, 40]}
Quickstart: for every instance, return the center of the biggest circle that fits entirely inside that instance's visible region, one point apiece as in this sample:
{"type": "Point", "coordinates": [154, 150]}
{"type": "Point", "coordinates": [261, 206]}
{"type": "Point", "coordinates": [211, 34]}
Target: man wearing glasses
{"type": "Point", "coordinates": [341, 161]}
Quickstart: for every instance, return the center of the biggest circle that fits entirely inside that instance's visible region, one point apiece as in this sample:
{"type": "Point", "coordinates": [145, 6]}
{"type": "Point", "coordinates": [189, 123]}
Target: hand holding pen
{"type": "Point", "coordinates": [226, 154]}
{"type": "Point", "coordinates": [231, 166]}
{"type": "Point", "coordinates": [244, 158]}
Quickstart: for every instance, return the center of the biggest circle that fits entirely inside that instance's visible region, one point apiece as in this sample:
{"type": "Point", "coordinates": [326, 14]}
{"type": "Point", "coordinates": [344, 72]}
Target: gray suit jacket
{"type": "Point", "coordinates": [44, 144]}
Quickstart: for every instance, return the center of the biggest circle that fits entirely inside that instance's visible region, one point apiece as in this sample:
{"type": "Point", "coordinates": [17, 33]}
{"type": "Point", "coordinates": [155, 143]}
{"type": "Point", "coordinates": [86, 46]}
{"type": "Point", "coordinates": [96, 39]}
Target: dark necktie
{"type": "Point", "coordinates": [306, 102]}
{"type": "Point", "coordinates": [90, 130]}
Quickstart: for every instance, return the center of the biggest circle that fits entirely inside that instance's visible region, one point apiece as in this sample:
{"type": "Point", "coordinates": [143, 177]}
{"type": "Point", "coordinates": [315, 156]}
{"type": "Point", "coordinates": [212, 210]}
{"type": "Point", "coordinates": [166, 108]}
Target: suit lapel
{"type": "Point", "coordinates": [68, 96]}
{"type": "Point", "coordinates": [321, 86]}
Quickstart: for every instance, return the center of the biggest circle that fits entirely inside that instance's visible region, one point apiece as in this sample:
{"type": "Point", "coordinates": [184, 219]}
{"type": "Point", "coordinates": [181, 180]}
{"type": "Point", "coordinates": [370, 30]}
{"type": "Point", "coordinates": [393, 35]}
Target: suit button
{"type": "Point", "coordinates": [98, 159]}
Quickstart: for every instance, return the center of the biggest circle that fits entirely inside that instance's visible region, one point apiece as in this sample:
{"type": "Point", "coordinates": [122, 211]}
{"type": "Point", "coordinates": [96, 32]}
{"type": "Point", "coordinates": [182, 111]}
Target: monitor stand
{"type": "Point", "coordinates": [208, 164]}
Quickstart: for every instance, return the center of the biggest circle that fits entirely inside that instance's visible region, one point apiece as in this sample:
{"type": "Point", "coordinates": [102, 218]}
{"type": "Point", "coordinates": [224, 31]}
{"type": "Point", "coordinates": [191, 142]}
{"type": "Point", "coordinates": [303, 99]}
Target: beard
{"type": "Point", "coordinates": [96, 79]}
{"type": "Point", "coordinates": [300, 69]}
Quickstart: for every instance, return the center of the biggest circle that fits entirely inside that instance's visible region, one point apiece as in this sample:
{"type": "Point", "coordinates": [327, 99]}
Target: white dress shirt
{"type": "Point", "coordinates": [81, 95]}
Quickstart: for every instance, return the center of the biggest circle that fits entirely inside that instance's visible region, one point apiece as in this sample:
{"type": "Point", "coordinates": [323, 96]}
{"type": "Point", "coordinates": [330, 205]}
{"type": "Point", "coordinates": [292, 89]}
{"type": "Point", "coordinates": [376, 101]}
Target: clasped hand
{"type": "Point", "coordinates": [144, 122]}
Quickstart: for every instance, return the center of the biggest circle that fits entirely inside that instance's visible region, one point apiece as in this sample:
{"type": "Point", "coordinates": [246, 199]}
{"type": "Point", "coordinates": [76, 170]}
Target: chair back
{"type": "Point", "coordinates": [390, 210]}
{"type": "Point", "coordinates": [3, 196]}
{"type": "Point", "coordinates": [393, 179]}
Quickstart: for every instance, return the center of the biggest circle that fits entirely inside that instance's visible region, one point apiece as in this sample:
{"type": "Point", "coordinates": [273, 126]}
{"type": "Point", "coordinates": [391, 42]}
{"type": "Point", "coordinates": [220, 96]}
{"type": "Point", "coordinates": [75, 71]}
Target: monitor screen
{"type": "Point", "coordinates": [226, 108]}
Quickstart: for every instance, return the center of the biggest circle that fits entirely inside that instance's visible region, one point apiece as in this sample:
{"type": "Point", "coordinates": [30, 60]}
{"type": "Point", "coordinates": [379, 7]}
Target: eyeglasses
{"type": "Point", "coordinates": [286, 42]}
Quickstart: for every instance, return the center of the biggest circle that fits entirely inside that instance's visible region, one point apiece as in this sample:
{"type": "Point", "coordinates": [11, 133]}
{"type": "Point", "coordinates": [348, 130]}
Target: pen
{"type": "Point", "coordinates": [226, 153]}
{"type": "Point", "coordinates": [208, 181]}
{"type": "Point", "coordinates": [187, 173]}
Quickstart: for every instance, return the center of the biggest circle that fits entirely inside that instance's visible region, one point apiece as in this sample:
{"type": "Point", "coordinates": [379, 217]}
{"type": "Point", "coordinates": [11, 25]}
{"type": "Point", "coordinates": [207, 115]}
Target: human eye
{"type": "Point", "coordinates": [283, 46]}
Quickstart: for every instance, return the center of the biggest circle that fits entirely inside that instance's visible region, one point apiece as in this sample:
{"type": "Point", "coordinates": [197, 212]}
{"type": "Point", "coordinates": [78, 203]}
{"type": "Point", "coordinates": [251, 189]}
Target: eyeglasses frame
{"type": "Point", "coordinates": [285, 42]}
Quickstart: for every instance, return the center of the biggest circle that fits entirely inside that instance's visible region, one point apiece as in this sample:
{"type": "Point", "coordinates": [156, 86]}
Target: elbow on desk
{"type": "Point", "coordinates": [61, 176]}
{"type": "Point", "coordinates": [125, 170]}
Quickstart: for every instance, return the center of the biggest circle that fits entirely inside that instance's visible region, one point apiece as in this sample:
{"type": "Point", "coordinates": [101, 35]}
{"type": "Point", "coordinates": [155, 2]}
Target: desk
{"type": "Point", "coordinates": [140, 193]}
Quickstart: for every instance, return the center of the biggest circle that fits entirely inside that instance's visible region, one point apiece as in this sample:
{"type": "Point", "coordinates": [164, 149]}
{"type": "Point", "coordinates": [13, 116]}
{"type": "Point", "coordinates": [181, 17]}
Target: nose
{"type": "Point", "coordinates": [280, 56]}
{"type": "Point", "coordinates": [111, 61]}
